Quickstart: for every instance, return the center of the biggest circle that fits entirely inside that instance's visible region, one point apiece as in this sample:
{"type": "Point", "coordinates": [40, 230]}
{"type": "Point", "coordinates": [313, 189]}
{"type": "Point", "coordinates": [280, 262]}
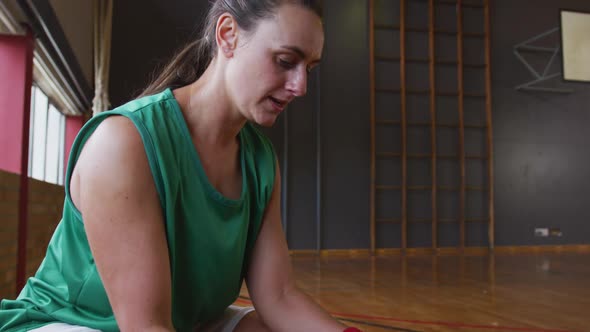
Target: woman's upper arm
{"type": "Point", "coordinates": [269, 273]}
{"type": "Point", "coordinates": [113, 188]}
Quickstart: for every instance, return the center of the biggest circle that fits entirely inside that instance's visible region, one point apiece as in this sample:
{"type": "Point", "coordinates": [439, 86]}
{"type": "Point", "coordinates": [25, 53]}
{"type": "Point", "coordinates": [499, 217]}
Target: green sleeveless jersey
{"type": "Point", "coordinates": [210, 237]}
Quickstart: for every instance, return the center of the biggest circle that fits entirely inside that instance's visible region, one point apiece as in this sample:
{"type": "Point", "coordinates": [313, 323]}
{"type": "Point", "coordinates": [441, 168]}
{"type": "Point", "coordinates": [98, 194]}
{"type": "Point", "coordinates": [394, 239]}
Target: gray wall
{"type": "Point", "coordinates": [542, 168]}
{"type": "Point", "coordinates": [345, 126]}
{"type": "Point", "coordinates": [145, 35]}
{"type": "Point", "coordinates": [77, 21]}
{"type": "Point", "coordinates": [338, 90]}
{"type": "Point", "coordinates": [541, 173]}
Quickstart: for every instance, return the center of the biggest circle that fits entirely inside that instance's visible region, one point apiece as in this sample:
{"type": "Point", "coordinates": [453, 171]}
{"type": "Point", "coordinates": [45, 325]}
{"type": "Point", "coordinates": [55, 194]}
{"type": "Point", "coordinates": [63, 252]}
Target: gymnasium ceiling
{"type": "Point", "coordinates": [145, 33]}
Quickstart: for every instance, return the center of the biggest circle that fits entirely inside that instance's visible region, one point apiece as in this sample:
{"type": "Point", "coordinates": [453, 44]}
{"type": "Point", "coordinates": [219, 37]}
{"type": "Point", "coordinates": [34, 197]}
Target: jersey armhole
{"type": "Point", "coordinates": [87, 131]}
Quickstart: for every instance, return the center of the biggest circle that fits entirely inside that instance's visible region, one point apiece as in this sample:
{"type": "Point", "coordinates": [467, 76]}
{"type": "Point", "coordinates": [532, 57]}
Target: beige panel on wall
{"type": "Point", "coordinates": [10, 15]}
{"type": "Point", "coordinates": [77, 21]}
{"type": "Point", "coordinates": [575, 34]}
{"type": "Point", "coordinates": [45, 71]}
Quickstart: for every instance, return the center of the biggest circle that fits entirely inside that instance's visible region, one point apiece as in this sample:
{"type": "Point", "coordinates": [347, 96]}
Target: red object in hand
{"type": "Point", "coordinates": [352, 329]}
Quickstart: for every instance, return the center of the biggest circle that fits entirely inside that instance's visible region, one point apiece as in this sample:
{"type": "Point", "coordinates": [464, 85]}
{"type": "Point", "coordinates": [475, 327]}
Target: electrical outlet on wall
{"type": "Point", "coordinates": [541, 232]}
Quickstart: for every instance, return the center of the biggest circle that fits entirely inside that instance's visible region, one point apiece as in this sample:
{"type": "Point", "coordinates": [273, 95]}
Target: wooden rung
{"type": "Point", "coordinates": [418, 60]}
{"type": "Point", "coordinates": [416, 29]}
{"type": "Point", "coordinates": [474, 95]}
{"type": "Point", "coordinates": [387, 187]}
{"type": "Point", "coordinates": [447, 188]}
{"type": "Point", "coordinates": [455, 63]}
{"type": "Point", "coordinates": [387, 90]}
{"type": "Point", "coordinates": [453, 3]}
{"type": "Point", "coordinates": [456, 125]}
{"type": "Point", "coordinates": [419, 124]}
{"type": "Point", "coordinates": [475, 188]}
{"type": "Point", "coordinates": [455, 94]}
{"type": "Point", "coordinates": [418, 91]}
{"type": "Point", "coordinates": [389, 154]}
{"type": "Point", "coordinates": [387, 122]}
{"type": "Point", "coordinates": [386, 26]}
{"type": "Point", "coordinates": [419, 156]}
{"type": "Point", "coordinates": [420, 220]}
{"type": "Point", "coordinates": [473, 35]}
{"type": "Point", "coordinates": [447, 156]}
{"type": "Point", "coordinates": [464, 34]}
{"type": "Point", "coordinates": [418, 188]}
{"type": "Point", "coordinates": [451, 156]}
{"type": "Point", "coordinates": [470, 220]}
{"type": "Point", "coordinates": [475, 220]}
{"type": "Point", "coordinates": [468, 188]}
{"type": "Point", "coordinates": [472, 5]}
{"type": "Point", "coordinates": [387, 58]}
{"type": "Point", "coordinates": [448, 93]}
{"type": "Point", "coordinates": [475, 65]}
{"type": "Point", "coordinates": [474, 126]}
{"type": "Point", "coordinates": [426, 91]}
{"type": "Point", "coordinates": [388, 220]}
{"type": "Point", "coordinates": [441, 188]}
{"type": "Point", "coordinates": [425, 30]}
{"type": "Point", "coordinates": [445, 125]}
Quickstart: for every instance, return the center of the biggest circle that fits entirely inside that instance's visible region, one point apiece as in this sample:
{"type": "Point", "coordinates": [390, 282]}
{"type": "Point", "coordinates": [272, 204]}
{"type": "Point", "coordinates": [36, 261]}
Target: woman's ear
{"type": "Point", "coordinates": [226, 34]}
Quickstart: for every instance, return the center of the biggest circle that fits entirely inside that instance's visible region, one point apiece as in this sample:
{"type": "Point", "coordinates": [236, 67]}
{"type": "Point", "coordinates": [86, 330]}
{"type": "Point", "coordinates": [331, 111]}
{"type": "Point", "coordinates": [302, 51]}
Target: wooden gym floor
{"type": "Point", "coordinates": [503, 292]}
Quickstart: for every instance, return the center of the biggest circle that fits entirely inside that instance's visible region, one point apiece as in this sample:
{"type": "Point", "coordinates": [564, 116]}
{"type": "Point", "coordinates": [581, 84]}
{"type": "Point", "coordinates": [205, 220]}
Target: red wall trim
{"type": "Point", "coordinates": [24, 176]}
{"type": "Point", "coordinates": [13, 88]}
{"type": "Point", "coordinates": [73, 126]}
{"type": "Point", "coordinates": [16, 65]}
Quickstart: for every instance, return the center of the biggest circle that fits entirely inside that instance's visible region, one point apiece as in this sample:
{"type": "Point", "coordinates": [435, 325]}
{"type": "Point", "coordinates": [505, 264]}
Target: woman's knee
{"type": "Point", "coordinates": [251, 322]}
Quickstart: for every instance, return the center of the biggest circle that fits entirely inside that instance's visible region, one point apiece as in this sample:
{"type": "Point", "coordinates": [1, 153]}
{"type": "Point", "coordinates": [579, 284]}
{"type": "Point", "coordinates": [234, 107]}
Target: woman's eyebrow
{"type": "Point", "coordinates": [299, 52]}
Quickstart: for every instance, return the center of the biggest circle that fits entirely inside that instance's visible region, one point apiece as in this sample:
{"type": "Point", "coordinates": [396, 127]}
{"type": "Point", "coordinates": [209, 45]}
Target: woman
{"type": "Point", "coordinates": [173, 199]}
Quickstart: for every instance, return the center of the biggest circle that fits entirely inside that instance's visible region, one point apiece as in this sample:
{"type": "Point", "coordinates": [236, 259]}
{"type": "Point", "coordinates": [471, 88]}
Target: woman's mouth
{"type": "Point", "coordinates": [278, 105]}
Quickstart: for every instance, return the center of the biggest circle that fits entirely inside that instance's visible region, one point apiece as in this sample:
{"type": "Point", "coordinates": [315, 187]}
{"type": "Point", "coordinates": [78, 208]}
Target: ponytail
{"type": "Point", "coordinates": [184, 68]}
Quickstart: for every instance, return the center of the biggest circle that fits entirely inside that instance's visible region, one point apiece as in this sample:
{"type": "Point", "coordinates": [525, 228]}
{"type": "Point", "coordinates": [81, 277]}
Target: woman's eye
{"type": "Point", "coordinates": [286, 64]}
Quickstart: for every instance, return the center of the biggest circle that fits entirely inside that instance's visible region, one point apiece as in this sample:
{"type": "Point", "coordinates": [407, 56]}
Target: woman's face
{"type": "Point", "coordinates": [270, 65]}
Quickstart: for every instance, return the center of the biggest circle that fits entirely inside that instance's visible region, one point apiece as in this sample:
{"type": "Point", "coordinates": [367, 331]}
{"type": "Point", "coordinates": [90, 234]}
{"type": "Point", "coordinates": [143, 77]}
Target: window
{"type": "Point", "coordinates": [46, 139]}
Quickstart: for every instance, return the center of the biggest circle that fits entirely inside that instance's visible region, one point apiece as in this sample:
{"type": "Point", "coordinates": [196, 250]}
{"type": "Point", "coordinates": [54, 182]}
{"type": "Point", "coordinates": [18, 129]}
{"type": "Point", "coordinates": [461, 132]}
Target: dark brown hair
{"type": "Point", "coordinates": [192, 60]}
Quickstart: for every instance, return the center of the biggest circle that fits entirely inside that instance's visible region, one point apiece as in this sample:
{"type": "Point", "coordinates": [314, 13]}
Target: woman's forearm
{"type": "Point", "coordinates": [296, 311]}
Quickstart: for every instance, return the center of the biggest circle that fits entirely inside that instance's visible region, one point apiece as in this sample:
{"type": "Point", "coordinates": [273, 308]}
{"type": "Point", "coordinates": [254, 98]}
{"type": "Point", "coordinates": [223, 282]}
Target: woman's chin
{"type": "Point", "coordinates": [265, 120]}
{"type": "Point", "coordinates": [266, 124]}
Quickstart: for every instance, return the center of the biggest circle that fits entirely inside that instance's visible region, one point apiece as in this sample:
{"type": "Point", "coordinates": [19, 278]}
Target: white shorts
{"type": "Point", "coordinates": [226, 323]}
